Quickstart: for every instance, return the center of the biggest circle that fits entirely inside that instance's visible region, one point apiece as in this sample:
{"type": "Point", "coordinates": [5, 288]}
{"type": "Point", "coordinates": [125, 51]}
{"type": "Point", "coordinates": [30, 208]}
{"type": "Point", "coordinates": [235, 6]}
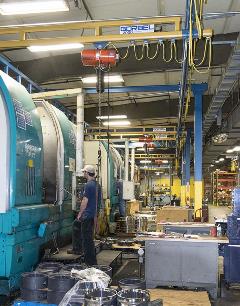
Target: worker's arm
{"type": "Point", "coordinates": [82, 207]}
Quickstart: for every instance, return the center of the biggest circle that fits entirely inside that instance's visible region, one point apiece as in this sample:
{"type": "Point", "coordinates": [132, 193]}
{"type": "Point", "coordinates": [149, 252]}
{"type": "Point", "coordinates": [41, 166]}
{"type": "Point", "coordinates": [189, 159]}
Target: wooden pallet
{"type": "Point", "coordinates": [173, 297]}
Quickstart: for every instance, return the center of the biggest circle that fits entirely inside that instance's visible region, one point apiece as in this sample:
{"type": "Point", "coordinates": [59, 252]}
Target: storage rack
{"type": "Point", "coordinates": [223, 183]}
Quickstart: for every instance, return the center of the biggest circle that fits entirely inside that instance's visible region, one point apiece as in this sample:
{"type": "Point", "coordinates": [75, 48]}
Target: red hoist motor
{"type": "Point", "coordinates": [101, 60]}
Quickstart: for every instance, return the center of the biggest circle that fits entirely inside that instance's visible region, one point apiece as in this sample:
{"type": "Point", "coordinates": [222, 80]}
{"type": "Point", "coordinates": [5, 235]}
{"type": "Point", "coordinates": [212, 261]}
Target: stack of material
{"type": "Point", "coordinates": [174, 214]}
{"type": "Point", "coordinates": [58, 286]}
{"type": "Point", "coordinates": [127, 225]}
{"type": "Point", "coordinates": [132, 207]}
{"type": "Point", "coordinates": [146, 222]}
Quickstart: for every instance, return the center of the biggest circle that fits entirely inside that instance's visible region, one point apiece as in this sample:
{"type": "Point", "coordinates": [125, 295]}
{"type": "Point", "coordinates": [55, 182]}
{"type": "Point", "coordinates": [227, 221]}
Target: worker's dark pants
{"type": "Point", "coordinates": [82, 240]}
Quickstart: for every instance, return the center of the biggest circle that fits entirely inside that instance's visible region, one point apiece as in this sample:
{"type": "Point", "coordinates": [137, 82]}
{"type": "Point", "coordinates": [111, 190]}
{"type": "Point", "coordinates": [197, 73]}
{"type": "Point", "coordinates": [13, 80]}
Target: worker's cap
{"type": "Point", "coordinates": [89, 169]}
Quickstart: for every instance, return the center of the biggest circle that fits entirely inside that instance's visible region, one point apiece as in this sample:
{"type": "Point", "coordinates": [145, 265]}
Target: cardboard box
{"type": "Point", "coordinates": [132, 207]}
{"type": "Point", "coordinates": [174, 214]}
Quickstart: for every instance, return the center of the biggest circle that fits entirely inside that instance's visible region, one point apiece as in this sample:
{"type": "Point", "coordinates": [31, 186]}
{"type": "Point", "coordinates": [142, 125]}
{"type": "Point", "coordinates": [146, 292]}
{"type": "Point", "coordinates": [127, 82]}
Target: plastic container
{"type": "Point", "coordinates": [213, 231]}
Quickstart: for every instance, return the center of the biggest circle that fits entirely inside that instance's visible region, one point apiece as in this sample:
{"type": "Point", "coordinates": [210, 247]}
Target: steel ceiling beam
{"type": "Point", "coordinates": [23, 38]}
{"type": "Point", "coordinates": [146, 88]}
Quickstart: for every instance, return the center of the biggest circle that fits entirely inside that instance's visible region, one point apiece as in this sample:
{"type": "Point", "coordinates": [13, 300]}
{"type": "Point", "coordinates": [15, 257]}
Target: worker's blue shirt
{"type": "Point", "coordinates": [92, 192]}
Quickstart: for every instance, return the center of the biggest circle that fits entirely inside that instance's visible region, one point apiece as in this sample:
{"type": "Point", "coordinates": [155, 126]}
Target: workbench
{"type": "Point", "coordinates": [182, 262]}
{"type": "Point", "coordinates": [109, 257]}
{"type": "Point", "coordinates": [189, 228]}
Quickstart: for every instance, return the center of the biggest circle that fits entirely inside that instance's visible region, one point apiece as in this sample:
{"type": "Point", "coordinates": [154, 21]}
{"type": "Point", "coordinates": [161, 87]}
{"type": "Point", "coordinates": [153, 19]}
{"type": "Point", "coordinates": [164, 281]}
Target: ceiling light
{"type": "Point", "coordinates": [58, 47]}
{"type": "Point", "coordinates": [111, 79]}
{"type": "Point", "coordinates": [117, 123]}
{"type": "Point", "coordinates": [145, 161]}
{"type": "Point", "coordinates": [144, 149]}
{"type": "Point", "coordinates": [112, 117]}
{"type": "Point", "coordinates": [229, 151]}
{"type": "Point", "coordinates": [221, 159]}
{"type": "Point", "coordinates": [216, 161]}
{"type": "Point", "coordinates": [157, 173]}
{"type": "Point", "coordinates": [165, 161]}
{"type": "Point", "coordinates": [33, 7]}
{"type": "Point", "coordinates": [236, 149]}
{"type": "Point", "coordinates": [211, 165]}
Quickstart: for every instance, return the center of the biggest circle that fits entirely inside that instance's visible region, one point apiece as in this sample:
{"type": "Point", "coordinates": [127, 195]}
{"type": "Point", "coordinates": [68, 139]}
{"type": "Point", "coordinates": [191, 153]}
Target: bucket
{"type": "Point", "coordinates": [133, 297]}
{"type": "Point", "coordinates": [132, 283]}
{"type": "Point", "coordinates": [101, 297]}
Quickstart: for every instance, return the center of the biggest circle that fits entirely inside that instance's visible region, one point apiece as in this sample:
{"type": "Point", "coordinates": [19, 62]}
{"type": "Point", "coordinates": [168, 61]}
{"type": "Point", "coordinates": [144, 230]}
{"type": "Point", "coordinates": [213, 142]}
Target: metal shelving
{"type": "Point", "coordinates": [223, 183]}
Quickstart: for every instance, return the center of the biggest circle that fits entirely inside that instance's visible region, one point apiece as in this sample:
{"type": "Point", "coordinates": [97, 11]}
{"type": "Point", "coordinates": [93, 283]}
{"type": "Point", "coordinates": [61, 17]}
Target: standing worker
{"type": "Point", "coordinates": [83, 226]}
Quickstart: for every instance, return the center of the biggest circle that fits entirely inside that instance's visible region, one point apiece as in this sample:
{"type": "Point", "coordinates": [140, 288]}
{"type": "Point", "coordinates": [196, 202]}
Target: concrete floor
{"type": "Point", "coordinates": [129, 268]}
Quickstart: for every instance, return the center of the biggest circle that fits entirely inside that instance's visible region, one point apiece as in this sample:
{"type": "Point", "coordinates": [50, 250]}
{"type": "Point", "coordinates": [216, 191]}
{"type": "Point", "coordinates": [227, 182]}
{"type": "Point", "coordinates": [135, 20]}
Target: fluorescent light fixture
{"type": "Point", "coordinates": [144, 167]}
{"type": "Point", "coordinates": [111, 79]}
{"type": "Point", "coordinates": [57, 47]}
{"type": "Point", "coordinates": [236, 149]}
{"type": "Point", "coordinates": [143, 149]}
{"type": "Point", "coordinates": [117, 123]}
{"type": "Point", "coordinates": [165, 161]}
{"type": "Point", "coordinates": [216, 161]}
{"type": "Point", "coordinates": [229, 151]}
{"type": "Point", "coordinates": [145, 161]}
{"type": "Point", "coordinates": [221, 159]}
{"type": "Point", "coordinates": [33, 7]}
{"type": "Point", "coordinates": [112, 117]}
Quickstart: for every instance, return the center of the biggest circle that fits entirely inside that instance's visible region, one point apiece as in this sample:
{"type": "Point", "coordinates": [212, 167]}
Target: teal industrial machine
{"type": "Point", "coordinates": [111, 169]}
{"type": "Point", "coordinates": [37, 159]}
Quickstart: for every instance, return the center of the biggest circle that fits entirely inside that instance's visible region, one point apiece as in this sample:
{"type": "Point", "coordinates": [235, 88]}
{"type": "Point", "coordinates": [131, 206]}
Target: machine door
{"type": "Point", "coordinates": [4, 156]}
{"type": "Point", "coordinates": [53, 152]}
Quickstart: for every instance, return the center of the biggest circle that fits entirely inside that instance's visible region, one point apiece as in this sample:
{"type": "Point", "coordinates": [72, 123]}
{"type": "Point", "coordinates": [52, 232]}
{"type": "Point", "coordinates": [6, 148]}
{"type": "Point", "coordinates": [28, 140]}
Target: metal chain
{"type": "Point", "coordinates": [99, 132]}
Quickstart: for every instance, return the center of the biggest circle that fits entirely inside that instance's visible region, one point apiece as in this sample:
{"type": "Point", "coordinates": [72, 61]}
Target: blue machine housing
{"type": "Point", "coordinates": [22, 206]}
{"type": "Point", "coordinates": [232, 250]}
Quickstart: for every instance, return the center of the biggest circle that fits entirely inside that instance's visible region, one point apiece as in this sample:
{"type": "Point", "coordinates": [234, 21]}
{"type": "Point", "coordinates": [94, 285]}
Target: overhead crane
{"type": "Point", "coordinates": [97, 27]}
{"type": "Point", "coordinates": [96, 35]}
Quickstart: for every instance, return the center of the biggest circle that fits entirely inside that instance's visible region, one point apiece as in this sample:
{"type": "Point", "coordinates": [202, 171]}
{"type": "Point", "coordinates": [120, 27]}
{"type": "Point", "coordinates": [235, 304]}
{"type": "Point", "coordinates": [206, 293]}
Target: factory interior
{"type": "Point", "coordinates": [120, 164]}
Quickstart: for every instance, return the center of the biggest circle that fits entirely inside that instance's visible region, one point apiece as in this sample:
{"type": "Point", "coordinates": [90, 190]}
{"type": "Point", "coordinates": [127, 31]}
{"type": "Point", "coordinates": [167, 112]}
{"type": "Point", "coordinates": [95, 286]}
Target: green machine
{"type": "Point", "coordinates": [37, 160]}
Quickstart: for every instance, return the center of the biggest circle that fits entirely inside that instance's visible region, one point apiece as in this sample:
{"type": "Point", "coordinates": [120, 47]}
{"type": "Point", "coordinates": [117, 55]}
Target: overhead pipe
{"type": "Point", "coordinates": [132, 164]}
{"type": "Point", "coordinates": [79, 147]}
{"type": "Point", "coordinates": [126, 159]}
{"type": "Point", "coordinates": [80, 134]}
